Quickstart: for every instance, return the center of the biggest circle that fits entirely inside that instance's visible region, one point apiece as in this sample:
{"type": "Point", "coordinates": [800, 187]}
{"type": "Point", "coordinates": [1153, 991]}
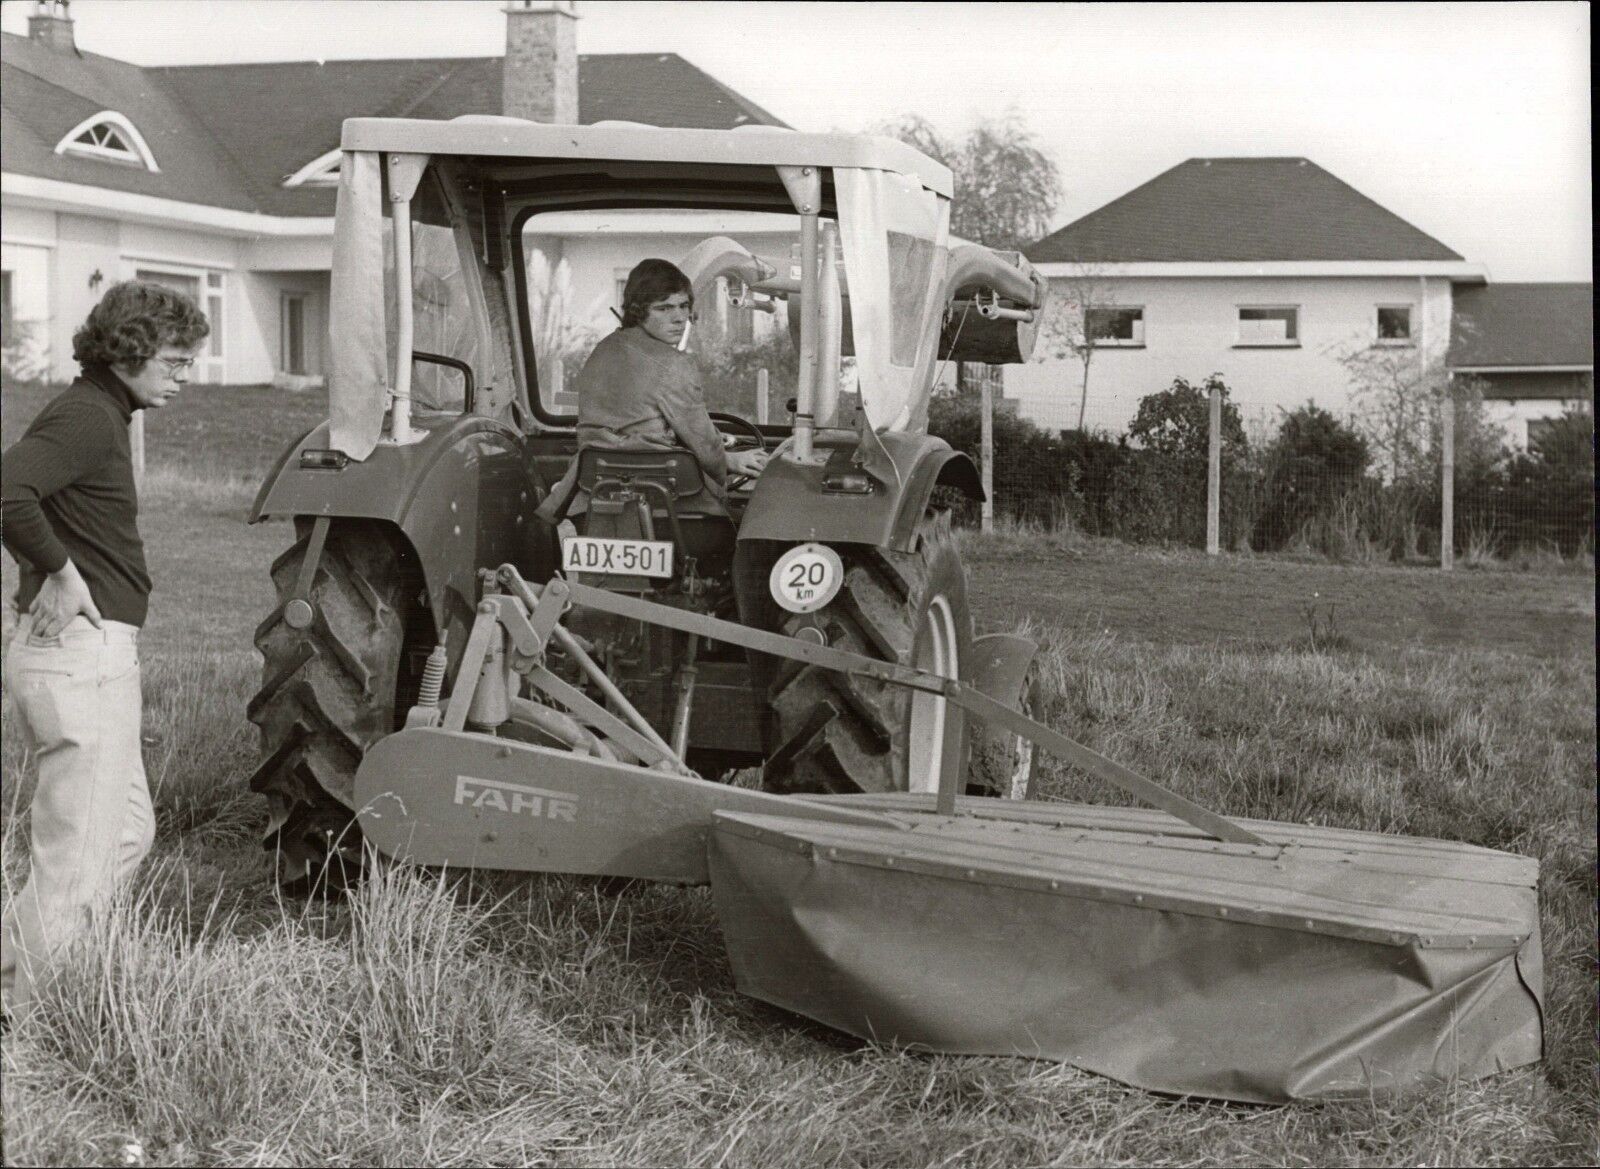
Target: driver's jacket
{"type": "Point", "coordinates": [635, 393]}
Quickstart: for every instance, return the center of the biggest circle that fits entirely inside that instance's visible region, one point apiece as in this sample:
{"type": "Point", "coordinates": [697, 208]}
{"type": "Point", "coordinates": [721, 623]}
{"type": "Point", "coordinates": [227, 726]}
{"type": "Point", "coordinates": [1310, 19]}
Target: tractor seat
{"type": "Point", "coordinates": [675, 472]}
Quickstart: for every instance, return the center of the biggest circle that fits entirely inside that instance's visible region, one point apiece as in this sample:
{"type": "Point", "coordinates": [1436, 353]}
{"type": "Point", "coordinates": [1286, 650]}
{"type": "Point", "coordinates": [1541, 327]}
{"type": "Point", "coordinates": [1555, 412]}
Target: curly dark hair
{"type": "Point", "coordinates": [134, 320]}
{"type": "Point", "coordinates": [649, 282]}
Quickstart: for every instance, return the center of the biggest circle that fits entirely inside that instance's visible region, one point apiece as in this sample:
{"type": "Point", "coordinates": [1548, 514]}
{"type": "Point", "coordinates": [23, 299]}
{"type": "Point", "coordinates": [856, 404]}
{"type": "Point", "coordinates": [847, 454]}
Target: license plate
{"type": "Point", "coordinates": [633, 557]}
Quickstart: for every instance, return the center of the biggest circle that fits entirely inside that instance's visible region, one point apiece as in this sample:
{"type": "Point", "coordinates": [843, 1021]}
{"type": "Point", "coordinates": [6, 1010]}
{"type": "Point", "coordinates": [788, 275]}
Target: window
{"type": "Point", "coordinates": [1115, 326]}
{"type": "Point", "coordinates": [1394, 324]}
{"type": "Point", "coordinates": [292, 334]}
{"type": "Point", "coordinates": [108, 137]}
{"type": "Point", "coordinates": [177, 281]}
{"type": "Point", "coordinates": [1269, 326]}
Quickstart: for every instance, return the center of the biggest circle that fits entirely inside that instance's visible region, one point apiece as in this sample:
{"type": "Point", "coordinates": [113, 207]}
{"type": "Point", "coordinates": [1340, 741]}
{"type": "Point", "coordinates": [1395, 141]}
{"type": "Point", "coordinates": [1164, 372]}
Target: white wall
{"type": "Point", "coordinates": [1191, 330]}
{"type": "Point", "coordinates": [1513, 416]}
{"type": "Point", "coordinates": [258, 333]}
{"type": "Point", "coordinates": [53, 255]}
{"type": "Point", "coordinates": [27, 239]}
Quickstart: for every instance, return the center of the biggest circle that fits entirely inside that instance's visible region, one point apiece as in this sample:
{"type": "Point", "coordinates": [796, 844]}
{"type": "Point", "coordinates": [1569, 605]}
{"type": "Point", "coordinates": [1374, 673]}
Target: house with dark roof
{"type": "Point", "coordinates": [220, 180]}
{"type": "Point", "coordinates": [1266, 270]}
{"type": "Point", "coordinates": [1529, 349]}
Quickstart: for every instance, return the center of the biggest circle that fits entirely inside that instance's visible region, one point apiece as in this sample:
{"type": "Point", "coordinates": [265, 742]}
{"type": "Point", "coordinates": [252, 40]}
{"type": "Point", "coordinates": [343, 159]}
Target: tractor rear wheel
{"type": "Point", "coordinates": [837, 733]}
{"type": "Point", "coordinates": [328, 691]}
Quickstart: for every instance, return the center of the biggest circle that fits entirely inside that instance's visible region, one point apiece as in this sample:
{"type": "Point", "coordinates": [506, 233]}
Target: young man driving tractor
{"type": "Point", "coordinates": [639, 390]}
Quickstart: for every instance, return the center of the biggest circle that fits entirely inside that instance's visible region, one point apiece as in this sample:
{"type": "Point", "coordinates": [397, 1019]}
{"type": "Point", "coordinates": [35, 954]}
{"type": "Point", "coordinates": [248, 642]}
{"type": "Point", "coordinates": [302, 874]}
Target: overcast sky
{"type": "Point", "coordinates": [1469, 120]}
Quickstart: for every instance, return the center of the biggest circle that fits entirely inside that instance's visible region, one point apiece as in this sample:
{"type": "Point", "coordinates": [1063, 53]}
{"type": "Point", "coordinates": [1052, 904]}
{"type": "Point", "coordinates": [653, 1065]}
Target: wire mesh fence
{"type": "Point", "coordinates": [1315, 483]}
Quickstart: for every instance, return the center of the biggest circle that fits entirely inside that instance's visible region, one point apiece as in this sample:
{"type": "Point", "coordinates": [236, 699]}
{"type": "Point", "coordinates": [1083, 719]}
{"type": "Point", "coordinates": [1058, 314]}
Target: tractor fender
{"type": "Point", "coordinates": [461, 497]}
{"type": "Point", "coordinates": [791, 503]}
{"type": "Point", "coordinates": [999, 666]}
{"type": "Point", "coordinates": [999, 670]}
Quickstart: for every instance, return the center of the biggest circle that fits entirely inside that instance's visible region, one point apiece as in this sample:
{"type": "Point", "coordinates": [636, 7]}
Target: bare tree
{"type": "Point", "coordinates": [1395, 394]}
{"type": "Point", "coordinates": [1070, 328]}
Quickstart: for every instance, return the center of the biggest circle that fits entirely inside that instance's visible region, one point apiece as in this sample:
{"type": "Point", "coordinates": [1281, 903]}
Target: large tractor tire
{"type": "Point", "coordinates": [837, 733]}
{"type": "Point", "coordinates": [328, 691]}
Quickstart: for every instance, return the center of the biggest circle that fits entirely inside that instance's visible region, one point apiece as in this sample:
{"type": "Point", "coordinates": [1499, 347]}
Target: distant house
{"type": "Point", "coordinates": [1265, 270]}
{"type": "Point", "coordinates": [1529, 348]}
{"type": "Point", "coordinates": [220, 179]}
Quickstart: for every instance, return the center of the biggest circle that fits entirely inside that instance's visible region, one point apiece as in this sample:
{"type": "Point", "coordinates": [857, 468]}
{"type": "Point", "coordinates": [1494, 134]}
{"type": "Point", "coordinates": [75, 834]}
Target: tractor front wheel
{"type": "Point", "coordinates": [838, 733]}
{"type": "Point", "coordinates": [329, 689]}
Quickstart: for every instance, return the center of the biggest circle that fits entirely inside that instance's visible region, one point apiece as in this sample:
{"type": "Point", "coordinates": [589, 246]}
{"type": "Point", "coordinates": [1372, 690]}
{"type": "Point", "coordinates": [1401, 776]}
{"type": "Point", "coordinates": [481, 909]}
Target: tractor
{"type": "Point", "coordinates": [446, 435]}
{"type": "Point", "coordinates": [776, 690]}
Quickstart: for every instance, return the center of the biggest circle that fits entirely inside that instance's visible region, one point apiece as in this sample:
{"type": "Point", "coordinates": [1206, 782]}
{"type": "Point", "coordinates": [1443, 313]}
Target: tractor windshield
{"type": "Point", "coordinates": [889, 244]}
{"type": "Point", "coordinates": [576, 263]}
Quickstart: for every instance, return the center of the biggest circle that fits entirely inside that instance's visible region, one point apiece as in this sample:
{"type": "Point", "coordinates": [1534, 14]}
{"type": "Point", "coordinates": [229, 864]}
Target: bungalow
{"type": "Point", "coordinates": [1529, 348]}
{"type": "Point", "coordinates": [220, 180]}
{"type": "Point", "coordinates": [1270, 271]}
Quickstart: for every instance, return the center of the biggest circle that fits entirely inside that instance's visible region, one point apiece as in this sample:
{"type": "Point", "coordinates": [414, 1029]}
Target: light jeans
{"type": "Point", "coordinates": [77, 695]}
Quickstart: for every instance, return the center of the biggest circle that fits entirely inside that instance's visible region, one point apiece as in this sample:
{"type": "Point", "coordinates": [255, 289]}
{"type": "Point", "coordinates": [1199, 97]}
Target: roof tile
{"type": "Point", "coordinates": [1240, 209]}
{"type": "Point", "coordinates": [228, 135]}
{"type": "Point", "coordinates": [1523, 325]}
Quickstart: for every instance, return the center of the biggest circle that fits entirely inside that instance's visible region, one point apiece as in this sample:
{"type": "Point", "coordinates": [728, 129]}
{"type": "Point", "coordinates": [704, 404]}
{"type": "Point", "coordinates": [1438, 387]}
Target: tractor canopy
{"type": "Point", "coordinates": [463, 213]}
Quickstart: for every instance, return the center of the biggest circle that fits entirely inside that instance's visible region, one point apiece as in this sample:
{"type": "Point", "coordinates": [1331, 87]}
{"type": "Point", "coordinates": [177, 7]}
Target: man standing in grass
{"type": "Point", "coordinates": [71, 522]}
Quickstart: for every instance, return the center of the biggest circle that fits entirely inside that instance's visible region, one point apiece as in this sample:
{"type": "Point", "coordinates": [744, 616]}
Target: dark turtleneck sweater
{"type": "Point", "coordinates": [67, 489]}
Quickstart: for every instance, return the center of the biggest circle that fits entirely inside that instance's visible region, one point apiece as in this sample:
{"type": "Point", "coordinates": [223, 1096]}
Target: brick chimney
{"type": "Point", "coordinates": [539, 77]}
{"type": "Point", "coordinates": [51, 25]}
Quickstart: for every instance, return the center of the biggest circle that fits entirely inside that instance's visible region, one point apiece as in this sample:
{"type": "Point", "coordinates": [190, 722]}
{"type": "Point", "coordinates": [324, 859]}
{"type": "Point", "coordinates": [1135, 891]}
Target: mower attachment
{"type": "Point", "coordinates": [1173, 949]}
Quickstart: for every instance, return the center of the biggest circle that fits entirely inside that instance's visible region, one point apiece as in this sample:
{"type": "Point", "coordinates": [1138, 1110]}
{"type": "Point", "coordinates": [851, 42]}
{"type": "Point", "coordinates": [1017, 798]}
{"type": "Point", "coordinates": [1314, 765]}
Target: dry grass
{"type": "Point", "coordinates": [496, 1020]}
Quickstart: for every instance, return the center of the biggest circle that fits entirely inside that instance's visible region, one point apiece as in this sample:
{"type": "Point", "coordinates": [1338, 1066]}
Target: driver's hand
{"type": "Point", "coordinates": [747, 463]}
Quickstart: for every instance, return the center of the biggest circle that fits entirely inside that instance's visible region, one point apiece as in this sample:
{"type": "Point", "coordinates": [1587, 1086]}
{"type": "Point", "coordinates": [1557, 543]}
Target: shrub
{"type": "Point", "coordinates": [1312, 461]}
{"type": "Point", "coordinates": [1177, 421]}
{"type": "Point", "coordinates": [1033, 470]}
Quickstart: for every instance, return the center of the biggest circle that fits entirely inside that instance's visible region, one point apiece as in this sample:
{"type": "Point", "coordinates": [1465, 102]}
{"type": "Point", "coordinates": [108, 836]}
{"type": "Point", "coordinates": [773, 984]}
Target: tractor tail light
{"type": "Point", "coordinates": [323, 460]}
{"type": "Point", "coordinates": [847, 482]}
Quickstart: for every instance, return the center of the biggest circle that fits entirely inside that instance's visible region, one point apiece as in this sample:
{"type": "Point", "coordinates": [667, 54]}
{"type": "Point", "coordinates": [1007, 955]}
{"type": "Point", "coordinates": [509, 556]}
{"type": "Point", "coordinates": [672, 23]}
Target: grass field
{"type": "Point", "coordinates": [540, 1021]}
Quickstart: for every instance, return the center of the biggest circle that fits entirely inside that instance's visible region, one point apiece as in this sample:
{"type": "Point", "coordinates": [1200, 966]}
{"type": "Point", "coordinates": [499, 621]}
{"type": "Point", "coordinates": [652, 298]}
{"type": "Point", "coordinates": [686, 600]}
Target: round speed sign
{"type": "Point", "coordinates": [806, 578]}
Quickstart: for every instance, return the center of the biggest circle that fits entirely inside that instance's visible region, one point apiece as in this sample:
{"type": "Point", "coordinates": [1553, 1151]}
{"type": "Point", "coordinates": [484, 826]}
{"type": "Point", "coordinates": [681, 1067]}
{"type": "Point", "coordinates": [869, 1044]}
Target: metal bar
{"type": "Point", "coordinates": [810, 339]}
{"type": "Point", "coordinates": [468, 670]}
{"type": "Point", "coordinates": [136, 447]}
{"type": "Point", "coordinates": [714, 629]}
{"type": "Point", "coordinates": [1099, 766]}
{"type": "Point", "coordinates": [555, 594]}
{"type": "Point", "coordinates": [563, 727]}
{"type": "Point", "coordinates": [597, 716]}
{"type": "Point", "coordinates": [1214, 473]}
{"type": "Point", "coordinates": [1447, 478]}
{"type": "Point", "coordinates": [308, 566]}
{"type": "Point", "coordinates": [680, 715]}
{"type": "Point", "coordinates": [968, 699]}
{"type": "Point", "coordinates": [400, 414]}
{"type": "Point", "coordinates": [986, 453]}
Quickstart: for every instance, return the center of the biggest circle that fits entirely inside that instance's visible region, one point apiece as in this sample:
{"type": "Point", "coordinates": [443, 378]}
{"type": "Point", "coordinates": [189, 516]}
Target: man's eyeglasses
{"type": "Point", "coordinates": [176, 364]}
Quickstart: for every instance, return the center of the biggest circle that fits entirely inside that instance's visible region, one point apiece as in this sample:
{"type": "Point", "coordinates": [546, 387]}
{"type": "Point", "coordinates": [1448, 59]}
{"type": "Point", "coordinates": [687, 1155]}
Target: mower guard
{"type": "Point", "coordinates": [1330, 963]}
{"type": "Point", "coordinates": [1170, 948]}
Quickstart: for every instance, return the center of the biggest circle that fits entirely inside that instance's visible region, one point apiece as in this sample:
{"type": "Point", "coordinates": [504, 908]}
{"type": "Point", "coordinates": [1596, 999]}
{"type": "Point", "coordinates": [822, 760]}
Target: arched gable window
{"type": "Point", "coordinates": [109, 137]}
{"type": "Point", "coordinates": [322, 171]}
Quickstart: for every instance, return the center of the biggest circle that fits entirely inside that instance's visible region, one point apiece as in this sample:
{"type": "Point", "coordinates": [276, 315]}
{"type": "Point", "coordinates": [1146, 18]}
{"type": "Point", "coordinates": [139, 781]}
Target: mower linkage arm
{"type": "Point", "coordinates": [558, 594]}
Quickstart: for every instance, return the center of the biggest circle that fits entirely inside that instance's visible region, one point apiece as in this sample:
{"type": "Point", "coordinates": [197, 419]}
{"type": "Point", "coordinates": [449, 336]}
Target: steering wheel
{"type": "Point", "coordinates": [747, 435]}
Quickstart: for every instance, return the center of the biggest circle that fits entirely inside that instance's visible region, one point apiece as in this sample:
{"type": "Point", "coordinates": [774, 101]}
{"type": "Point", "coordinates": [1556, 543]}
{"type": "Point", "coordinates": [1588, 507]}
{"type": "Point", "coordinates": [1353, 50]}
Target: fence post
{"type": "Point", "coordinates": [763, 397]}
{"type": "Point", "coordinates": [986, 448]}
{"type": "Point", "coordinates": [136, 446]}
{"type": "Point", "coordinates": [1447, 478]}
{"type": "Point", "coordinates": [1214, 474]}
